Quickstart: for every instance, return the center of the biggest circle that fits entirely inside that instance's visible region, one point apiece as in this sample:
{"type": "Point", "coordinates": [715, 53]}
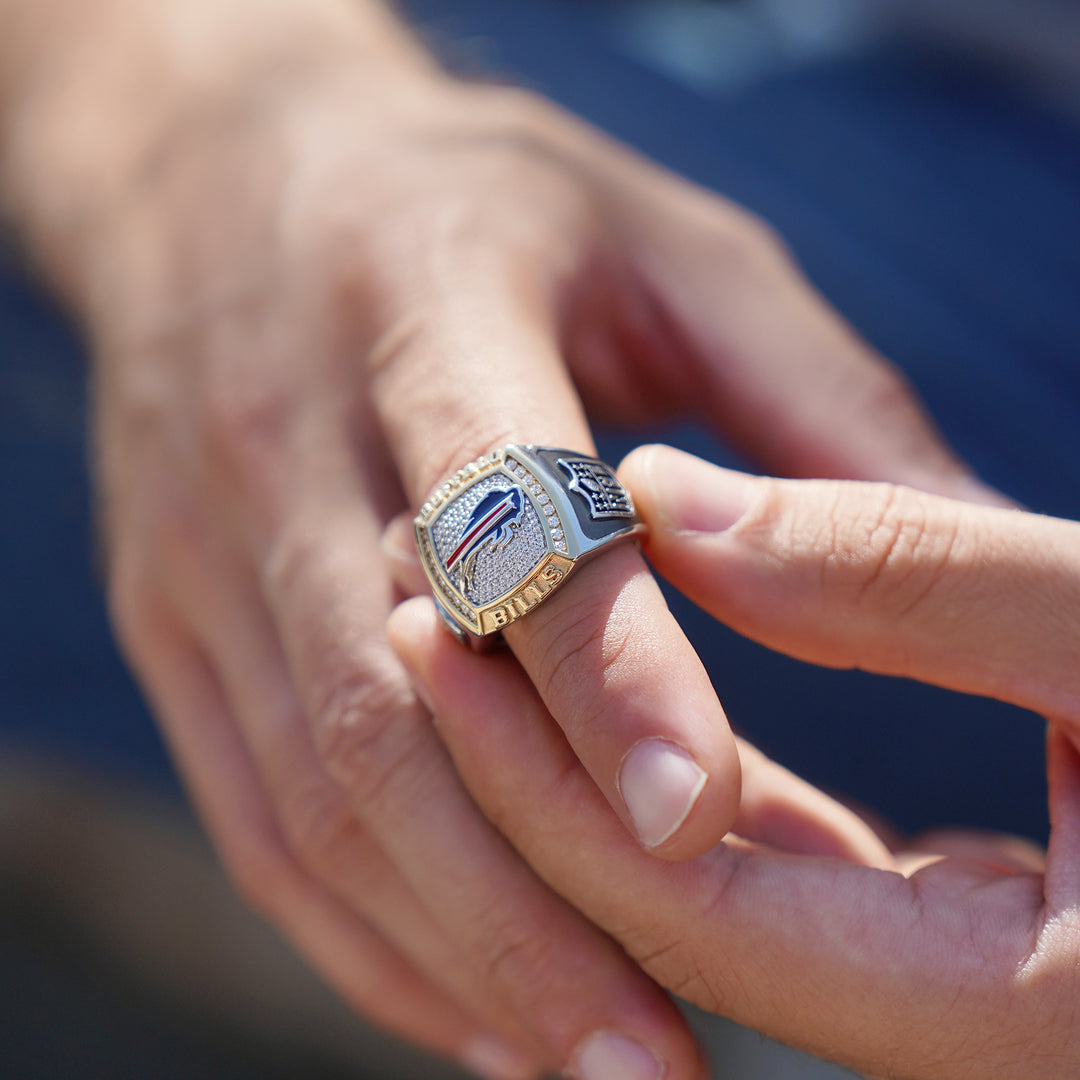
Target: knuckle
{"type": "Point", "coordinates": [261, 870]}
{"type": "Point", "coordinates": [652, 947]}
{"type": "Point", "coordinates": [520, 109]}
{"type": "Point", "coordinates": [518, 956]}
{"type": "Point", "coordinates": [168, 545]}
{"type": "Point", "coordinates": [521, 129]}
{"type": "Point", "coordinates": [135, 610]}
{"type": "Point", "coordinates": [566, 647]}
{"type": "Point", "coordinates": [129, 608]}
{"type": "Point", "coordinates": [894, 552]}
{"type": "Point", "coordinates": [751, 238]}
{"type": "Point", "coordinates": [882, 393]}
{"type": "Point", "coordinates": [246, 420]}
{"type": "Point", "coordinates": [587, 647]}
{"type": "Point", "coordinates": [744, 246]}
{"type": "Point", "coordinates": [511, 157]}
{"type": "Point", "coordinates": [370, 740]}
{"type": "Point", "coordinates": [139, 406]}
{"type": "Point", "coordinates": [286, 566]}
{"type": "Point", "coordinates": [318, 826]}
{"type": "Point", "coordinates": [407, 377]}
{"type": "Point", "coordinates": [681, 971]}
{"type": "Point", "coordinates": [673, 961]}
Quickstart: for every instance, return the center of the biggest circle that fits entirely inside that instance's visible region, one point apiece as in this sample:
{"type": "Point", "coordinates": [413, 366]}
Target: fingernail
{"type": "Point", "coordinates": [610, 1056]}
{"type": "Point", "coordinates": [692, 495]}
{"type": "Point", "coordinates": [496, 1059]}
{"type": "Point", "coordinates": [659, 782]}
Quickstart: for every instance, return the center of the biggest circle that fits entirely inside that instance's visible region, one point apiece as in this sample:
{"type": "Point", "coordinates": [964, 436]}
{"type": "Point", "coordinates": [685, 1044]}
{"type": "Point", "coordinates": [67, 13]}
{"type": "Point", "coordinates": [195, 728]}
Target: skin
{"type": "Point", "coordinates": [953, 958]}
{"type": "Point", "coordinates": [314, 278]}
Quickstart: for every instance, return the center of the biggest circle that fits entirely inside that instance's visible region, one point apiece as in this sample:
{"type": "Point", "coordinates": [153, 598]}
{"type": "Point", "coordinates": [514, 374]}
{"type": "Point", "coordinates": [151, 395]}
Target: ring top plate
{"type": "Point", "coordinates": [504, 531]}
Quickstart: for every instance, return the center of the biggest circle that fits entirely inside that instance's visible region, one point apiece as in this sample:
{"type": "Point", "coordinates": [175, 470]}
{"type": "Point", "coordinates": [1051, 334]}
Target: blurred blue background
{"type": "Point", "coordinates": [928, 183]}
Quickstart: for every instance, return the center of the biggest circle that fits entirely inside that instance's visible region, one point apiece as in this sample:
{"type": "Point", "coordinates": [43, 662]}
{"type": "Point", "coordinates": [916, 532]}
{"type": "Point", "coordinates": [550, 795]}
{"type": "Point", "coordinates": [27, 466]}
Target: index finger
{"type": "Point", "coordinates": [979, 599]}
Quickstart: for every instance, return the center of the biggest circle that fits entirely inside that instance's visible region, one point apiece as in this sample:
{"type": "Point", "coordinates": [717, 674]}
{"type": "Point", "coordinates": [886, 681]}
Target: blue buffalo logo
{"type": "Point", "coordinates": [492, 523]}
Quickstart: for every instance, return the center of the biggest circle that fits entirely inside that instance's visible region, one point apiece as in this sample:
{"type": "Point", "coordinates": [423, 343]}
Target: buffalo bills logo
{"type": "Point", "coordinates": [492, 524]}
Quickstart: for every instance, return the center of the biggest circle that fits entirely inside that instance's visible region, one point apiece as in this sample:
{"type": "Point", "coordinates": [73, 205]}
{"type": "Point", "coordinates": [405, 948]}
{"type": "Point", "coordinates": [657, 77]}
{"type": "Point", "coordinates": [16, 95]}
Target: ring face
{"type": "Point", "coordinates": [507, 529]}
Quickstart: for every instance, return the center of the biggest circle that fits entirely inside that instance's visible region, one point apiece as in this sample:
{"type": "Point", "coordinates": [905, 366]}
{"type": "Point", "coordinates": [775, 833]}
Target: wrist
{"type": "Point", "coordinates": [89, 109]}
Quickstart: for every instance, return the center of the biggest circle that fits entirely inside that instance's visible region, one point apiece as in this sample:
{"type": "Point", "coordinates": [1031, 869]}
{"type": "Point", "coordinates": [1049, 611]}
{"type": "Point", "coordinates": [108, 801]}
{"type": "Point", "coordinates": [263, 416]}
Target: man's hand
{"type": "Point", "coordinates": [954, 960]}
{"type": "Point", "coordinates": [318, 276]}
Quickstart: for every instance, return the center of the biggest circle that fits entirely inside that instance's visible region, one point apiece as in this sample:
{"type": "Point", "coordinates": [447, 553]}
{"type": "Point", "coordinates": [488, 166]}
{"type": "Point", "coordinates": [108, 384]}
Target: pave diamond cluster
{"type": "Point", "coordinates": [506, 530]}
{"type": "Point", "coordinates": [530, 482]}
{"type": "Point", "coordinates": [494, 573]}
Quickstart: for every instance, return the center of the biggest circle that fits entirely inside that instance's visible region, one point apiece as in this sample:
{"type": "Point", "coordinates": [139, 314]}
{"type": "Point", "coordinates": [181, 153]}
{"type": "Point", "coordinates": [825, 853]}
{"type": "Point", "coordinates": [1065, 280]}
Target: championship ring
{"type": "Point", "coordinates": [503, 533]}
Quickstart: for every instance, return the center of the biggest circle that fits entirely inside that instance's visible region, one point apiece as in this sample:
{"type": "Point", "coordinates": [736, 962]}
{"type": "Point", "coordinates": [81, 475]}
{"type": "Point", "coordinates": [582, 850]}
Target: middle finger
{"type": "Point", "coordinates": [481, 368]}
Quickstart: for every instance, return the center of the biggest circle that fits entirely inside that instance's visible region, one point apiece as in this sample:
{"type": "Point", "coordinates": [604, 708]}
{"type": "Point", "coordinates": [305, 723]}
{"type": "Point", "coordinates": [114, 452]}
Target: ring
{"type": "Point", "coordinates": [502, 534]}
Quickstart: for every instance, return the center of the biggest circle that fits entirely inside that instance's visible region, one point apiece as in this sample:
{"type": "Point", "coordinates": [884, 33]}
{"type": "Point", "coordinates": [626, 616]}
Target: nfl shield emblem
{"type": "Point", "coordinates": [599, 487]}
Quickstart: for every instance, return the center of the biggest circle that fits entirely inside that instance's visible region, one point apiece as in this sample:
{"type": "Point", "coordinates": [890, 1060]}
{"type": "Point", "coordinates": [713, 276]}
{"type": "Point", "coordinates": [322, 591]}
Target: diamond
{"type": "Point", "coordinates": [549, 509]}
{"type": "Point", "coordinates": [499, 570]}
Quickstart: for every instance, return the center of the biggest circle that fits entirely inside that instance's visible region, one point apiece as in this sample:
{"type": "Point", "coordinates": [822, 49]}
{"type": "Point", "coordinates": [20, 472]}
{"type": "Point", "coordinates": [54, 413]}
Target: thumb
{"type": "Point", "coordinates": [873, 576]}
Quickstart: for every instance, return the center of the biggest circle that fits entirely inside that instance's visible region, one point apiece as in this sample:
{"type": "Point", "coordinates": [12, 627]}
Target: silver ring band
{"type": "Point", "coordinates": [507, 530]}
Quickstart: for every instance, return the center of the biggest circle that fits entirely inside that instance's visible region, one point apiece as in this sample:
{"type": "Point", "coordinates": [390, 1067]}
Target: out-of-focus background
{"type": "Point", "coordinates": [923, 160]}
{"type": "Point", "coordinates": [719, 48]}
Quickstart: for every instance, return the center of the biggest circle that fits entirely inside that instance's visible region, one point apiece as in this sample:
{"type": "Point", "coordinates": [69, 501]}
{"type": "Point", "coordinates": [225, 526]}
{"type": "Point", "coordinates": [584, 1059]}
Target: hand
{"type": "Point", "coordinates": [947, 962]}
{"type": "Point", "coordinates": [316, 280]}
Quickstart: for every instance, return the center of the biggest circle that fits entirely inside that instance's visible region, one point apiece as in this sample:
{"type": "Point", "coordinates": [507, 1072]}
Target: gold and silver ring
{"type": "Point", "coordinates": [507, 530]}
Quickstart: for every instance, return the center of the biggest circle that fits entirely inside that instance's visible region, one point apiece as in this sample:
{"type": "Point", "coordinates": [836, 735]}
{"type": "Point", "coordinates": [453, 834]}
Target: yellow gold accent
{"type": "Point", "coordinates": [554, 570]}
{"type": "Point", "coordinates": [532, 591]}
{"type": "Point", "coordinates": [462, 610]}
{"type": "Point", "coordinates": [462, 479]}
